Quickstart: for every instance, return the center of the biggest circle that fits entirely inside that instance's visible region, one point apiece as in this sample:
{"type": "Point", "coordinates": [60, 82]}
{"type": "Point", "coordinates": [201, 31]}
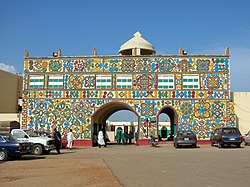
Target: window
{"type": "Point", "coordinates": [124, 81]}
{"type": "Point", "coordinates": [165, 81]}
{"type": "Point", "coordinates": [55, 81]}
{"type": "Point", "coordinates": [191, 82]}
{"type": "Point", "coordinates": [18, 134]}
{"type": "Point", "coordinates": [104, 81]}
{"type": "Point", "coordinates": [36, 81]}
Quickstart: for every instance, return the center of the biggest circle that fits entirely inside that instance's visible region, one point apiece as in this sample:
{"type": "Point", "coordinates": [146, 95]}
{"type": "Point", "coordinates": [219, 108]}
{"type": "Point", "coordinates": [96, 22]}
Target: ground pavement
{"type": "Point", "coordinates": [131, 165]}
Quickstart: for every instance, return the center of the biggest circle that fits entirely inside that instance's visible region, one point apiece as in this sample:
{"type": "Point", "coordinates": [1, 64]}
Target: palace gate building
{"type": "Point", "coordinates": [82, 92]}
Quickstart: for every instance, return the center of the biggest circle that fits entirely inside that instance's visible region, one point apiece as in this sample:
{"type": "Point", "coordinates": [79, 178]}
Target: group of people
{"type": "Point", "coordinates": [121, 137]}
{"type": "Point", "coordinates": [124, 137]}
{"type": "Point", "coordinates": [58, 140]}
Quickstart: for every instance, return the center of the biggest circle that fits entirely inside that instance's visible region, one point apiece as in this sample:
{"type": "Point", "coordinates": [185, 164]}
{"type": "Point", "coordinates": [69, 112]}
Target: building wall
{"type": "Point", "coordinates": [9, 117]}
{"type": "Point", "coordinates": [242, 110]}
{"type": "Point", "coordinates": [67, 91]}
{"type": "Point", "coordinates": [11, 89]}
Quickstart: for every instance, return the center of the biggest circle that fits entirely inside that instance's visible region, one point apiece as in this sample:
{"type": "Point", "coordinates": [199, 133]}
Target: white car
{"type": "Point", "coordinates": [41, 144]}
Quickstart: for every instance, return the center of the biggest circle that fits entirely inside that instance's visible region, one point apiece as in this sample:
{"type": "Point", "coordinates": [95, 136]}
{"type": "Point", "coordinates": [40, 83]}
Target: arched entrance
{"type": "Point", "coordinates": [167, 131]}
{"type": "Point", "coordinates": [98, 119]}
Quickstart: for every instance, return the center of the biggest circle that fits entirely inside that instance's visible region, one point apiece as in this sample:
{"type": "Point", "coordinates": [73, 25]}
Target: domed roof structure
{"type": "Point", "coordinates": [137, 46]}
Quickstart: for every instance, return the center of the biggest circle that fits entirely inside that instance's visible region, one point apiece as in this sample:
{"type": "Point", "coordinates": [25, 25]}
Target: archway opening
{"type": "Point", "coordinates": [167, 124]}
{"type": "Point", "coordinates": [102, 119]}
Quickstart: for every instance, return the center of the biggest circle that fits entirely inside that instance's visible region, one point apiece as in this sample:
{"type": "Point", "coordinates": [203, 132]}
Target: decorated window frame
{"type": "Point", "coordinates": [36, 82]}
{"type": "Point", "coordinates": [103, 82]}
{"type": "Point", "coordinates": [166, 82]}
{"type": "Point", "coordinates": [191, 81]}
{"type": "Point", "coordinates": [55, 82]}
{"type": "Point", "coordinates": [124, 81]}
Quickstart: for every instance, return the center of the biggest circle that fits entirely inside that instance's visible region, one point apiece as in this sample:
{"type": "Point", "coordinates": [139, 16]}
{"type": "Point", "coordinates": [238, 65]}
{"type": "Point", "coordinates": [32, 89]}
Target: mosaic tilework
{"type": "Point", "coordinates": [73, 89]}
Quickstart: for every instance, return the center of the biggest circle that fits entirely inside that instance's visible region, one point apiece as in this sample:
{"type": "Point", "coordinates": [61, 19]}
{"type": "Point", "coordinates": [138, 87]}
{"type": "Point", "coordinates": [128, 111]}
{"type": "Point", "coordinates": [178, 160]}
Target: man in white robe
{"type": "Point", "coordinates": [70, 139]}
{"type": "Point", "coordinates": [101, 139]}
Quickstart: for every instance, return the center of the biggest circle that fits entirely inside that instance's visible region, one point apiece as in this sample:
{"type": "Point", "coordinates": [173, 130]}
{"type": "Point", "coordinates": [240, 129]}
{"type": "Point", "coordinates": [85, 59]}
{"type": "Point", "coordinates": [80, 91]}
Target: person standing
{"type": "Point", "coordinates": [118, 137]}
{"type": "Point", "coordinates": [131, 136]}
{"type": "Point", "coordinates": [70, 139]}
{"type": "Point", "coordinates": [123, 138]}
{"type": "Point", "coordinates": [57, 137]}
{"type": "Point", "coordinates": [101, 141]}
{"type": "Point", "coordinates": [136, 138]}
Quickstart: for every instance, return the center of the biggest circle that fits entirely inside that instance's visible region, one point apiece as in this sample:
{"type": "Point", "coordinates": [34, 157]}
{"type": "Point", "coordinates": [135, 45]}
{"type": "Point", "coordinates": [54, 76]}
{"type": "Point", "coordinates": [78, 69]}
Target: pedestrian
{"type": "Point", "coordinates": [95, 139]}
{"type": "Point", "coordinates": [118, 137]}
{"type": "Point", "coordinates": [57, 137]}
{"type": "Point", "coordinates": [130, 136]}
{"type": "Point", "coordinates": [70, 139]}
{"type": "Point", "coordinates": [127, 137]}
{"type": "Point", "coordinates": [123, 138]}
{"type": "Point", "coordinates": [136, 138]}
{"type": "Point", "coordinates": [101, 141]}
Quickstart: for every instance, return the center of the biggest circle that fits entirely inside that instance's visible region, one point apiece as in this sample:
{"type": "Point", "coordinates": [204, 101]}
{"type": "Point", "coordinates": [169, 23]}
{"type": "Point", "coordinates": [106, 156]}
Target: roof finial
{"type": "Point", "coordinates": [227, 51]}
{"type": "Point", "coordinates": [94, 52]}
{"type": "Point", "coordinates": [180, 51]}
{"type": "Point", "coordinates": [26, 54]}
{"type": "Point", "coordinates": [137, 34]}
{"type": "Point", "coordinates": [59, 52]}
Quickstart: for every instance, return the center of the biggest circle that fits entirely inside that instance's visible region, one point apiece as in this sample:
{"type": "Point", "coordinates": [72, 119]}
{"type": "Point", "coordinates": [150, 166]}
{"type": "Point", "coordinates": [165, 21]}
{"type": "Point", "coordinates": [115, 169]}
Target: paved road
{"type": "Point", "coordinates": [167, 166]}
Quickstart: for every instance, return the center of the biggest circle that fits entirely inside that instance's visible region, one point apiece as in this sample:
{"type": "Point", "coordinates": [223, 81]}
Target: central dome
{"type": "Point", "coordinates": [137, 46]}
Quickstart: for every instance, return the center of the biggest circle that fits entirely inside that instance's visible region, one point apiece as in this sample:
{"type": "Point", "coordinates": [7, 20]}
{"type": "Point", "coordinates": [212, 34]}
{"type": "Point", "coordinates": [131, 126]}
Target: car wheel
{"type": "Point", "coordinates": [3, 155]}
{"type": "Point", "coordinates": [194, 146]}
{"type": "Point", "coordinates": [38, 150]}
{"type": "Point", "coordinates": [238, 145]}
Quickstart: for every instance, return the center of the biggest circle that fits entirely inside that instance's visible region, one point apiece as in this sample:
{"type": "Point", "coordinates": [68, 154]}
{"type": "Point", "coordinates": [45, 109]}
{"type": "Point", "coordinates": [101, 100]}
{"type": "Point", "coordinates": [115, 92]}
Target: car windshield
{"type": "Point", "coordinates": [30, 133]}
{"type": "Point", "coordinates": [9, 138]}
{"type": "Point", "coordinates": [185, 133]}
{"type": "Point", "coordinates": [231, 131]}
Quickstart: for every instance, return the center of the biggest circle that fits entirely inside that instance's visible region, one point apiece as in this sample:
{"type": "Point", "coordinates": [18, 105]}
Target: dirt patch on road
{"type": "Point", "coordinates": [70, 172]}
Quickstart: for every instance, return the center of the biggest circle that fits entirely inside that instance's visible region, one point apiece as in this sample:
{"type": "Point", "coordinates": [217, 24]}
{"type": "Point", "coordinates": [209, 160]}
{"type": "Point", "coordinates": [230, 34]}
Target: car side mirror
{"type": "Point", "coordinates": [25, 136]}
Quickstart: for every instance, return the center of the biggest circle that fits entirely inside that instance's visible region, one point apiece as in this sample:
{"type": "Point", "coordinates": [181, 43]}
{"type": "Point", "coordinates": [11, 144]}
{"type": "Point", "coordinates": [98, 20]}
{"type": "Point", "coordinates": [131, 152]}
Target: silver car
{"type": "Point", "coordinates": [185, 138]}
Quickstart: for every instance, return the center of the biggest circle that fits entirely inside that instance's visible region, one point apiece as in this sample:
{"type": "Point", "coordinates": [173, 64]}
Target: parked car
{"type": "Point", "coordinates": [226, 136]}
{"type": "Point", "coordinates": [185, 138]}
{"type": "Point", "coordinates": [10, 147]}
{"type": "Point", "coordinates": [247, 139]}
{"type": "Point", "coordinates": [49, 135]}
{"type": "Point", "coordinates": [41, 144]}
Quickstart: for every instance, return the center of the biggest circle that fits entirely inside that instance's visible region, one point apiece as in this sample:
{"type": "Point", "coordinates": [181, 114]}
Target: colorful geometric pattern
{"type": "Point", "coordinates": [66, 92]}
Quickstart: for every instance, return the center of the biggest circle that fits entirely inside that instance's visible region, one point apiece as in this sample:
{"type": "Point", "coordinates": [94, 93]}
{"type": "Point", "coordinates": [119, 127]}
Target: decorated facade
{"type": "Point", "coordinates": [81, 92]}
